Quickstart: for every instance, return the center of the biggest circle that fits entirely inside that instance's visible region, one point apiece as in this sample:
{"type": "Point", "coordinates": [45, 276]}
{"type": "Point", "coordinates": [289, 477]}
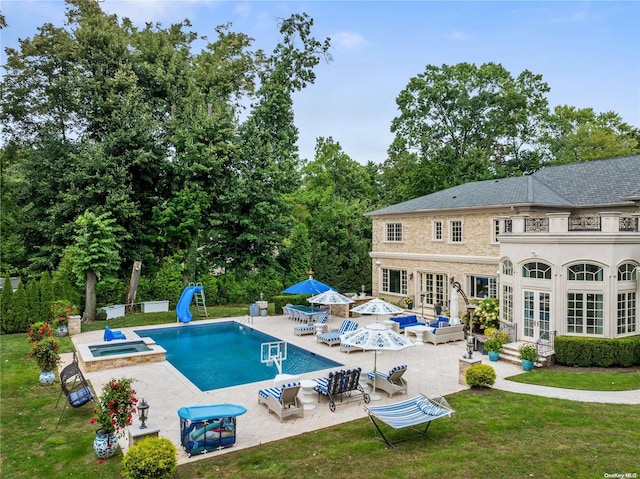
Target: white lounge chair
{"type": "Point", "coordinates": [283, 401]}
{"type": "Point", "coordinates": [333, 337]}
{"type": "Point", "coordinates": [311, 328]}
{"type": "Point", "coordinates": [391, 382]}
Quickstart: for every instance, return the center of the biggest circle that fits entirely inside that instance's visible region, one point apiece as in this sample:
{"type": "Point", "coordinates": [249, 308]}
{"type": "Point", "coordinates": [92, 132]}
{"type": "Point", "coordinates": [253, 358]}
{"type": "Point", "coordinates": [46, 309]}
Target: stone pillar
{"type": "Point", "coordinates": [463, 365]}
{"type": "Point", "coordinates": [558, 222]}
{"type": "Point", "coordinates": [74, 325]}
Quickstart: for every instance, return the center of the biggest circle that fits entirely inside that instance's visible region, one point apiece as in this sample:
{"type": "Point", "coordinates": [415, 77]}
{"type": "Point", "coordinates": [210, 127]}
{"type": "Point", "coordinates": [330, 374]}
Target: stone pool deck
{"type": "Point", "coordinates": [433, 370]}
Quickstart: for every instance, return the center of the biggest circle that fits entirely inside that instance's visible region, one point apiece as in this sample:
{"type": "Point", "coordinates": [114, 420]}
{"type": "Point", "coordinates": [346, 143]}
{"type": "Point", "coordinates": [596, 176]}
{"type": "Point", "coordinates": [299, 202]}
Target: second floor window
{"type": "Point", "coordinates": [437, 230]}
{"type": "Point", "coordinates": [455, 228]}
{"type": "Point", "coordinates": [394, 232]}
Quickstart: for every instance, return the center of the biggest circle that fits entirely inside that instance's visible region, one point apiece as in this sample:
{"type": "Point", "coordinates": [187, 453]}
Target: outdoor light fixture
{"type": "Point", "coordinates": [469, 354]}
{"type": "Point", "coordinates": [143, 412]}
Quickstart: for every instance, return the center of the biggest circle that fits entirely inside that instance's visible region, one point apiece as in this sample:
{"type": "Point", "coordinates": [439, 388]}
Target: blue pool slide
{"type": "Point", "coordinates": [184, 303]}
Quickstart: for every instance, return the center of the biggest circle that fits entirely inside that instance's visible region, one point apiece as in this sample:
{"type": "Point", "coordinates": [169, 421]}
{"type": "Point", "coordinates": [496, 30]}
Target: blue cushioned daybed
{"type": "Point", "coordinates": [406, 321]}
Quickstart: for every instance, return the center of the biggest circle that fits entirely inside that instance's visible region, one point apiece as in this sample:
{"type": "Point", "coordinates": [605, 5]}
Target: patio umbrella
{"type": "Point", "coordinates": [453, 306]}
{"type": "Point", "coordinates": [330, 297]}
{"type": "Point", "coordinates": [378, 307]}
{"type": "Point", "coordinates": [308, 286]}
{"type": "Point", "coordinates": [376, 337]}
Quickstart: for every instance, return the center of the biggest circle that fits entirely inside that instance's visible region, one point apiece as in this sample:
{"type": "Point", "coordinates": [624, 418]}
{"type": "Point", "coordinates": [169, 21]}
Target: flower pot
{"type": "Point", "coordinates": [527, 365]}
{"type": "Point", "coordinates": [62, 330]}
{"type": "Point", "coordinates": [47, 378]}
{"type": "Point", "coordinates": [493, 356]}
{"type": "Point", "coordinates": [105, 444]}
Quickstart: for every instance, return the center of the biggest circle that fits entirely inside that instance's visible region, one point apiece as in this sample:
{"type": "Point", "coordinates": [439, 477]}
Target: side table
{"type": "Point", "coordinates": [307, 394]}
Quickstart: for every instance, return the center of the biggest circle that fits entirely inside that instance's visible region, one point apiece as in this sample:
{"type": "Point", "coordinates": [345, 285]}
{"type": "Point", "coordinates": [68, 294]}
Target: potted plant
{"type": "Point", "coordinates": [408, 302]}
{"type": "Point", "coordinates": [38, 331]}
{"type": "Point", "coordinates": [113, 413]}
{"type": "Point", "coordinates": [493, 347]}
{"type": "Point", "coordinates": [61, 310]}
{"type": "Point", "coordinates": [528, 355]}
{"type": "Point", "coordinates": [46, 354]}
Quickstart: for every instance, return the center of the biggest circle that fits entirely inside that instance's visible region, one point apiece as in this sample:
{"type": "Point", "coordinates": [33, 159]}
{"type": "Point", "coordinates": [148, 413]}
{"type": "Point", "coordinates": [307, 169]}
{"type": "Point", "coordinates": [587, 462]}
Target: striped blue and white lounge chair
{"type": "Point", "coordinates": [282, 400]}
{"type": "Point", "coordinates": [408, 413]}
{"type": "Point", "coordinates": [311, 328]}
{"type": "Point", "coordinates": [333, 337]}
{"type": "Point", "coordinates": [392, 383]}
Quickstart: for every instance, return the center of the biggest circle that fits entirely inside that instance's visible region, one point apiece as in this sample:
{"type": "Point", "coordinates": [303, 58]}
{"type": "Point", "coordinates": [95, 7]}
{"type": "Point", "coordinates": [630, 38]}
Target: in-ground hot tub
{"type": "Point", "coordinates": [97, 357]}
{"type": "Point", "coordinates": [111, 349]}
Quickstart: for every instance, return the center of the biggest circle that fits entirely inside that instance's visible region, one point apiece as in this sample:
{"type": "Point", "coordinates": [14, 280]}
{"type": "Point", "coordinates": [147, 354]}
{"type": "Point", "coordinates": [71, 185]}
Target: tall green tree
{"type": "Point", "coordinates": [335, 193]}
{"type": "Point", "coordinates": [6, 301]}
{"type": "Point", "coordinates": [250, 232]}
{"type": "Point", "coordinates": [473, 122]}
{"type": "Point", "coordinates": [46, 296]}
{"type": "Point", "coordinates": [582, 135]}
{"type": "Point", "coordinates": [95, 252]}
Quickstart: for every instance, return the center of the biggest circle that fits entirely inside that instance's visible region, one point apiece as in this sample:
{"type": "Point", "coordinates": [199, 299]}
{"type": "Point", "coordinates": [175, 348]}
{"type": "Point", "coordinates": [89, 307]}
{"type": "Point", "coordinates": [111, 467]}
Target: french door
{"type": "Point", "coordinates": [536, 313]}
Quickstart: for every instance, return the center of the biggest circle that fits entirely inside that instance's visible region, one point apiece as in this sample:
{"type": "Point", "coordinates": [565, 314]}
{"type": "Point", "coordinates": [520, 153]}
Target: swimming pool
{"type": "Point", "coordinates": [220, 355]}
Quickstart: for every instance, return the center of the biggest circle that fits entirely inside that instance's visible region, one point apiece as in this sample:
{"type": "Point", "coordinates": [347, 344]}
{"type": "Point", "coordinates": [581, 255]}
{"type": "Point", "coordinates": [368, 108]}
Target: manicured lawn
{"type": "Point", "coordinates": [493, 434]}
{"type": "Point", "coordinates": [580, 379]}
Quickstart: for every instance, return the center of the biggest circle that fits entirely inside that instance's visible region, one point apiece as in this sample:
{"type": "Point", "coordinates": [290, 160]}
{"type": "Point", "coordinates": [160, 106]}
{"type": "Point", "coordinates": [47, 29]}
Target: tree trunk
{"type": "Point", "coordinates": [90, 293]}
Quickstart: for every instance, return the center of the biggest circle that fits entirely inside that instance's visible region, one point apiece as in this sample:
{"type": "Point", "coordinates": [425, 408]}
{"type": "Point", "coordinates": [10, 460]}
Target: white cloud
{"type": "Point", "coordinates": [458, 35]}
{"type": "Point", "coordinates": [349, 40]}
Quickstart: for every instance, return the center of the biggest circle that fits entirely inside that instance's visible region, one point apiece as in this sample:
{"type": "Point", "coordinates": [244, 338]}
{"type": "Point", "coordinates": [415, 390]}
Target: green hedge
{"type": "Point", "coordinates": [599, 352]}
{"type": "Point", "coordinates": [283, 300]}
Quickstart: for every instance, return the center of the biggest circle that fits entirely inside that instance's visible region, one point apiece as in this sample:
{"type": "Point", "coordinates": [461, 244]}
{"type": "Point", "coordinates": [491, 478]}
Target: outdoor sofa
{"type": "Point", "coordinates": [444, 334]}
{"type": "Point", "coordinates": [406, 321]}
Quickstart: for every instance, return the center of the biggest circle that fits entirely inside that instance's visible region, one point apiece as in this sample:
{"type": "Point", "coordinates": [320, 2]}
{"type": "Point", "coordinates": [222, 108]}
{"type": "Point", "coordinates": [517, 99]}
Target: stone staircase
{"type": "Point", "coordinates": [510, 353]}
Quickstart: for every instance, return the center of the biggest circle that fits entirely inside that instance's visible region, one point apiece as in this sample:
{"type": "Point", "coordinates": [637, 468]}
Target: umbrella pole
{"type": "Point", "coordinates": [374, 396]}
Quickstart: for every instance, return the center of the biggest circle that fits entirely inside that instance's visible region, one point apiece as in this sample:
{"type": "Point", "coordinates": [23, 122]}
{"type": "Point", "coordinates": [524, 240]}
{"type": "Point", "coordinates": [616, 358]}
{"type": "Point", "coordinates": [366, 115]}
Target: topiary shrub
{"type": "Point", "coordinates": [151, 458]}
{"type": "Point", "coordinates": [480, 376]}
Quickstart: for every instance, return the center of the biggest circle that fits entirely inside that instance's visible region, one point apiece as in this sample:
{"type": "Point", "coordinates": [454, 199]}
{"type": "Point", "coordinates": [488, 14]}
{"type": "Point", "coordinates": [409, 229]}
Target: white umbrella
{"type": "Point", "coordinates": [453, 306]}
{"type": "Point", "coordinates": [330, 297]}
{"type": "Point", "coordinates": [376, 337]}
{"type": "Point", "coordinates": [377, 306]}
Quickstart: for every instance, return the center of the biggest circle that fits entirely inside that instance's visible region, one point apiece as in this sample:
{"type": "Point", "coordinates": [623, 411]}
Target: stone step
{"type": "Point", "coordinates": [511, 354]}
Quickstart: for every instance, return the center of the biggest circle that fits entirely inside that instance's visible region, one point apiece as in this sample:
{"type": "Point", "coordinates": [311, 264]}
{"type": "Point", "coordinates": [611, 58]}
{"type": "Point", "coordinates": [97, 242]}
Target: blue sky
{"type": "Point", "coordinates": [588, 52]}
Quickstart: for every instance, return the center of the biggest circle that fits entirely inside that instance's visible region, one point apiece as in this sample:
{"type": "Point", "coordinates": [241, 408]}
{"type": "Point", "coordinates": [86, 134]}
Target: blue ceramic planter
{"type": "Point", "coordinates": [493, 356]}
{"type": "Point", "coordinates": [105, 445]}
{"type": "Point", "coordinates": [527, 365]}
{"type": "Point", "coordinates": [47, 378]}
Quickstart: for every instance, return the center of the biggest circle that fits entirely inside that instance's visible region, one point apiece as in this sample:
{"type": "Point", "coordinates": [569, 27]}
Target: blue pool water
{"type": "Point", "coordinates": [219, 355]}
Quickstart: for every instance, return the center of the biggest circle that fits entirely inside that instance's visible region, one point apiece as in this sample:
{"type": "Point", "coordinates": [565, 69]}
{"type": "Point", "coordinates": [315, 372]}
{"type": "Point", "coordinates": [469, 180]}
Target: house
{"type": "Point", "coordinates": [560, 248]}
{"type": "Point", "coordinates": [15, 281]}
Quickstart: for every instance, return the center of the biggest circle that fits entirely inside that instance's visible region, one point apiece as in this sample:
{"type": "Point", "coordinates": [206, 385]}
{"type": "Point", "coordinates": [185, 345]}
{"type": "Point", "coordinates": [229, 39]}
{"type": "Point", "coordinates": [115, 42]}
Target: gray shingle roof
{"type": "Point", "coordinates": [592, 183]}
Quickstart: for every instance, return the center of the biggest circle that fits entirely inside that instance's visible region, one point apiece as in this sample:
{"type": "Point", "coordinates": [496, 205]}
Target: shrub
{"type": "Point", "coordinates": [480, 376]}
{"type": "Point", "coordinates": [488, 313]}
{"type": "Point", "coordinates": [151, 458]}
{"type": "Point", "coordinates": [600, 352]}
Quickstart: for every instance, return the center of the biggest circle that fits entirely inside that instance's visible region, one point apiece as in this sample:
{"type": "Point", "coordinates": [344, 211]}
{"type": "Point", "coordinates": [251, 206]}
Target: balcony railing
{"type": "Point", "coordinates": [628, 223]}
{"type": "Point", "coordinates": [584, 223]}
{"type": "Point", "coordinates": [536, 225]}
